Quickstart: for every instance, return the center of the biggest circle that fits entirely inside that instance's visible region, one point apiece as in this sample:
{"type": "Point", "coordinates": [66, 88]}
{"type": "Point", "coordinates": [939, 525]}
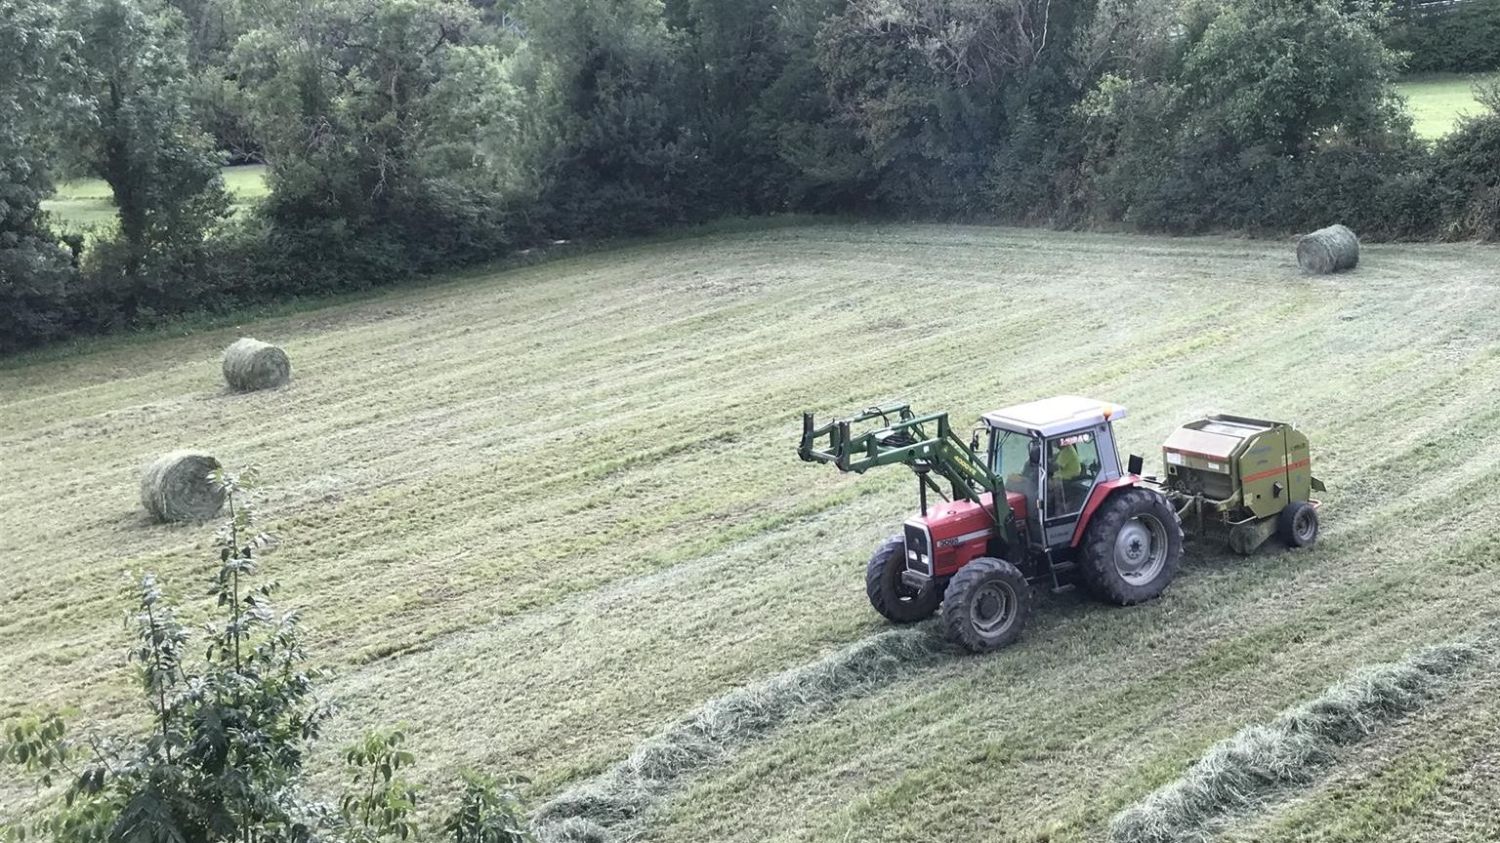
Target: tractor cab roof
{"type": "Point", "coordinates": [1053, 416]}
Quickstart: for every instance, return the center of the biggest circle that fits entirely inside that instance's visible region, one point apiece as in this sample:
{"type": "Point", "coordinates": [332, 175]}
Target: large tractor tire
{"type": "Point", "coordinates": [1132, 547]}
{"type": "Point", "coordinates": [1297, 525]}
{"type": "Point", "coordinates": [987, 605]}
{"type": "Point", "coordinates": [893, 599]}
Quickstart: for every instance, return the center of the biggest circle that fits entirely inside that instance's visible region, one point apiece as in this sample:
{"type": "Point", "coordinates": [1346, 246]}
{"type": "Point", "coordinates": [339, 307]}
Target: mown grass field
{"type": "Point", "coordinates": [1437, 101]}
{"type": "Point", "coordinates": [540, 515]}
{"type": "Point", "coordinates": [87, 205]}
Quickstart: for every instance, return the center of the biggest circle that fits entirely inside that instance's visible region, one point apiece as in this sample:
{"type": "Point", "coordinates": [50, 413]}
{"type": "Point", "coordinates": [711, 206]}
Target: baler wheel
{"type": "Point", "coordinates": [894, 600]}
{"type": "Point", "coordinates": [1132, 547]}
{"type": "Point", "coordinates": [1297, 525]}
{"type": "Point", "coordinates": [987, 605]}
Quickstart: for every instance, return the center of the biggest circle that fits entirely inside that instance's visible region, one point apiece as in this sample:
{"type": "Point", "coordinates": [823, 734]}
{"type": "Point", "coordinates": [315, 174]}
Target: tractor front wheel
{"type": "Point", "coordinates": [893, 599]}
{"type": "Point", "coordinates": [987, 605]}
{"type": "Point", "coordinates": [1298, 524]}
{"type": "Point", "coordinates": [1132, 547]}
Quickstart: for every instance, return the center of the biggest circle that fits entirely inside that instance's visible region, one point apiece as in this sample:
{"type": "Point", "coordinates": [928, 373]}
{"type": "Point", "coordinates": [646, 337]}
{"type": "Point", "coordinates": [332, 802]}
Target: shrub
{"type": "Point", "coordinates": [487, 813]}
{"type": "Point", "coordinates": [1468, 173]}
{"type": "Point", "coordinates": [37, 284]}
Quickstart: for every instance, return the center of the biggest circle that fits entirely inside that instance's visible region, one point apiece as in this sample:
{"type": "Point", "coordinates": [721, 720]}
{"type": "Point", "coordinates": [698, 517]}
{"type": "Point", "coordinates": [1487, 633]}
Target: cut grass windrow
{"type": "Point", "coordinates": [1246, 770]}
{"type": "Point", "coordinates": [610, 805]}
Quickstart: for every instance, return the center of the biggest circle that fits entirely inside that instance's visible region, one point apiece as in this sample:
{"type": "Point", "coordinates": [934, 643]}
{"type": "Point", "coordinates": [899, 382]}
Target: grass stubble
{"type": "Point", "coordinates": [543, 516]}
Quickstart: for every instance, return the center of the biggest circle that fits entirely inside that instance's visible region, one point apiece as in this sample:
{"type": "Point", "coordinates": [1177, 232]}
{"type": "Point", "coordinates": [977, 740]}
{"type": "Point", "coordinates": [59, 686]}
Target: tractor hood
{"type": "Point", "coordinates": [967, 514]}
{"type": "Point", "coordinates": [955, 526]}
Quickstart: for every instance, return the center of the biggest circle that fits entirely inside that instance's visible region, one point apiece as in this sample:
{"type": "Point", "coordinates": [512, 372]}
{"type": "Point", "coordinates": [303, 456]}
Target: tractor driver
{"type": "Point", "coordinates": [1066, 466]}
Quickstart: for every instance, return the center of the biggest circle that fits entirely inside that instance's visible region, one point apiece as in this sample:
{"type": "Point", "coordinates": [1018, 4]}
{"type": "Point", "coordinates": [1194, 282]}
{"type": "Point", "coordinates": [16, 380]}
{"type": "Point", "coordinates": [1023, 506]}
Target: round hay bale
{"type": "Point", "coordinates": [176, 487]}
{"type": "Point", "coordinates": [251, 364]}
{"type": "Point", "coordinates": [1331, 249]}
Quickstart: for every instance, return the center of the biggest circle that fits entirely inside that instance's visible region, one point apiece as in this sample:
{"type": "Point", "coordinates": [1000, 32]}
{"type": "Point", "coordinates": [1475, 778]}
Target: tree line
{"type": "Point", "coordinates": [407, 136]}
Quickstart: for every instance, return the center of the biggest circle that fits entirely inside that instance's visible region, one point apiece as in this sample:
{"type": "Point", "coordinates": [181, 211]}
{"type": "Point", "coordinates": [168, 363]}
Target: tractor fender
{"type": "Point", "coordinates": [1097, 497]}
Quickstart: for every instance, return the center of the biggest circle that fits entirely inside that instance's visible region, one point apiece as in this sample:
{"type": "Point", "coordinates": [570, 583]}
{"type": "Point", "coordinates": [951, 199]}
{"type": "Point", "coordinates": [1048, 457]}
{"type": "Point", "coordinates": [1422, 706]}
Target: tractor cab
{"type": "Point", "coordinates": [1055, 453]}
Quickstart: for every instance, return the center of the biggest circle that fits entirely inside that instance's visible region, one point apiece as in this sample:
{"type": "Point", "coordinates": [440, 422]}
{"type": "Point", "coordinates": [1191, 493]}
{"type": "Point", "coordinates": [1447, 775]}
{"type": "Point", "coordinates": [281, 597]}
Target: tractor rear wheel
{"type": "Point", "coordinates": [1132, 547]}
{"type": "Point", "coordinates": [1297, 525]}
{"type": "Point", "coordinates": [893, 599]}
{"type": "Point", "coordinates": [987, 605]}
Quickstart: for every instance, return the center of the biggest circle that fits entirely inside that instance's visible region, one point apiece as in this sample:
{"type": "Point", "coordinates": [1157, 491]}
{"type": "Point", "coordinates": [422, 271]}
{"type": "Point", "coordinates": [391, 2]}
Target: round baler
{"type": "Point", "coordinates": [1250, 476]}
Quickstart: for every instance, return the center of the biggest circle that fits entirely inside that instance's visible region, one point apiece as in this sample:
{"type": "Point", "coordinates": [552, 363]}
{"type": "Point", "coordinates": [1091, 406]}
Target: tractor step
{"type": "Point", "coordinates": [1055, 568]}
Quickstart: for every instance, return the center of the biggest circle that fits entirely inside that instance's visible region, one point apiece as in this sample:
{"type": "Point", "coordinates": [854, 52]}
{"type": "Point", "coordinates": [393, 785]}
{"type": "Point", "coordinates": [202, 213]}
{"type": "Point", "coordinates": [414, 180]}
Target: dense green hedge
{"type": "Point", "coordinates": [592, 118]}
{"type": "Point", "coordinates": [1467, 172]}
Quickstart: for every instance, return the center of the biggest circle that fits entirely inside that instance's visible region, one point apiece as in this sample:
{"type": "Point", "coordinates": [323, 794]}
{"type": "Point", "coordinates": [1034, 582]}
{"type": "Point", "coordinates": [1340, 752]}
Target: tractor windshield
{"type": "Point", "coordinates": [1012, 456]}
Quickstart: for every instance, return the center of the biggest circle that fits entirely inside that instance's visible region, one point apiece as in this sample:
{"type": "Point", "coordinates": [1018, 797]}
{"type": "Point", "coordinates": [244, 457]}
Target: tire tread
{"type": "Point", "coordinates": [893, 551]}
{"type": "Point", "coordinates": [955, 615]}
{"type": "Point", "coordinates": [1286, 524]}
{"type": "Point", "coordinates": [1097, 563]}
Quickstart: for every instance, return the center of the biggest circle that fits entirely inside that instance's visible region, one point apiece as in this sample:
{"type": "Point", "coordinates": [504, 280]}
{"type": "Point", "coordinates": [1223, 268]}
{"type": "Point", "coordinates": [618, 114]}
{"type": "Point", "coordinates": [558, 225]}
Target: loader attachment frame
{"type": "Point", "coordinates": [927, 444]}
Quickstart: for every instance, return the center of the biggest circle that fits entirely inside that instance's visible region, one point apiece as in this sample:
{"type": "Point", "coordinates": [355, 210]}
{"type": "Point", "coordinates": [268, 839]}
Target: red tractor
{"type": "Point", "coordinates": [1041, 500]}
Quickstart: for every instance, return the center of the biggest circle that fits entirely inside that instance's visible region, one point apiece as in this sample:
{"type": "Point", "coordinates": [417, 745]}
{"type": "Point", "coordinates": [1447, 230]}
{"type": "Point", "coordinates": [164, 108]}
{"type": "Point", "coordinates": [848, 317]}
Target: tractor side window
{"type": "Point", "coordinates": [1074, 461]}
{"type": "Point", "coordinates": [1013, 463]}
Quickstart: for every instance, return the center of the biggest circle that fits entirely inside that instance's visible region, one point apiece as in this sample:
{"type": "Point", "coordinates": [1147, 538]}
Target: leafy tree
{"type": "Point", "coordinates": [370, 112]}
{"type": "Point", "coordinates": [162, 169]}
{"type": "Point", "coordinates": [1285, 75]}
{"type": "Point", "coordinates": [732, 53]}
{"type": "Point", "coordinates": [37, 77]}
{"type": "Point", "coordinates": [212, 28]}
{"type": "Point", "coordinates": [609, 88]}
{"type": "Point", "coordinates": [938, 92]}
{"type": "Point", "coordinates": [1270, 114]}
{"type": "Point", "coordinates": [796, 113]}
{"type": "Point", "coordinates": [1454, 37]}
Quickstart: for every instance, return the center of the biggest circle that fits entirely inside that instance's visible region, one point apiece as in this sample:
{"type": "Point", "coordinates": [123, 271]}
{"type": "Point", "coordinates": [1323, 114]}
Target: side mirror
{"type": "Point", "coordinates": [1135, 465]}
{"type": "Point", "coordinates": [974, 442]}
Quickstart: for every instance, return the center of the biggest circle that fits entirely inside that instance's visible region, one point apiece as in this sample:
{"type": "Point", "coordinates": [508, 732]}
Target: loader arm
{"type": "Point", "coordinates": [926, 444]}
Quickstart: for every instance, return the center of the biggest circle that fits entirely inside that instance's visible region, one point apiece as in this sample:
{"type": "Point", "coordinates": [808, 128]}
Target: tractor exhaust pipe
{"type": "Point", "coordinates": [921, 469]}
